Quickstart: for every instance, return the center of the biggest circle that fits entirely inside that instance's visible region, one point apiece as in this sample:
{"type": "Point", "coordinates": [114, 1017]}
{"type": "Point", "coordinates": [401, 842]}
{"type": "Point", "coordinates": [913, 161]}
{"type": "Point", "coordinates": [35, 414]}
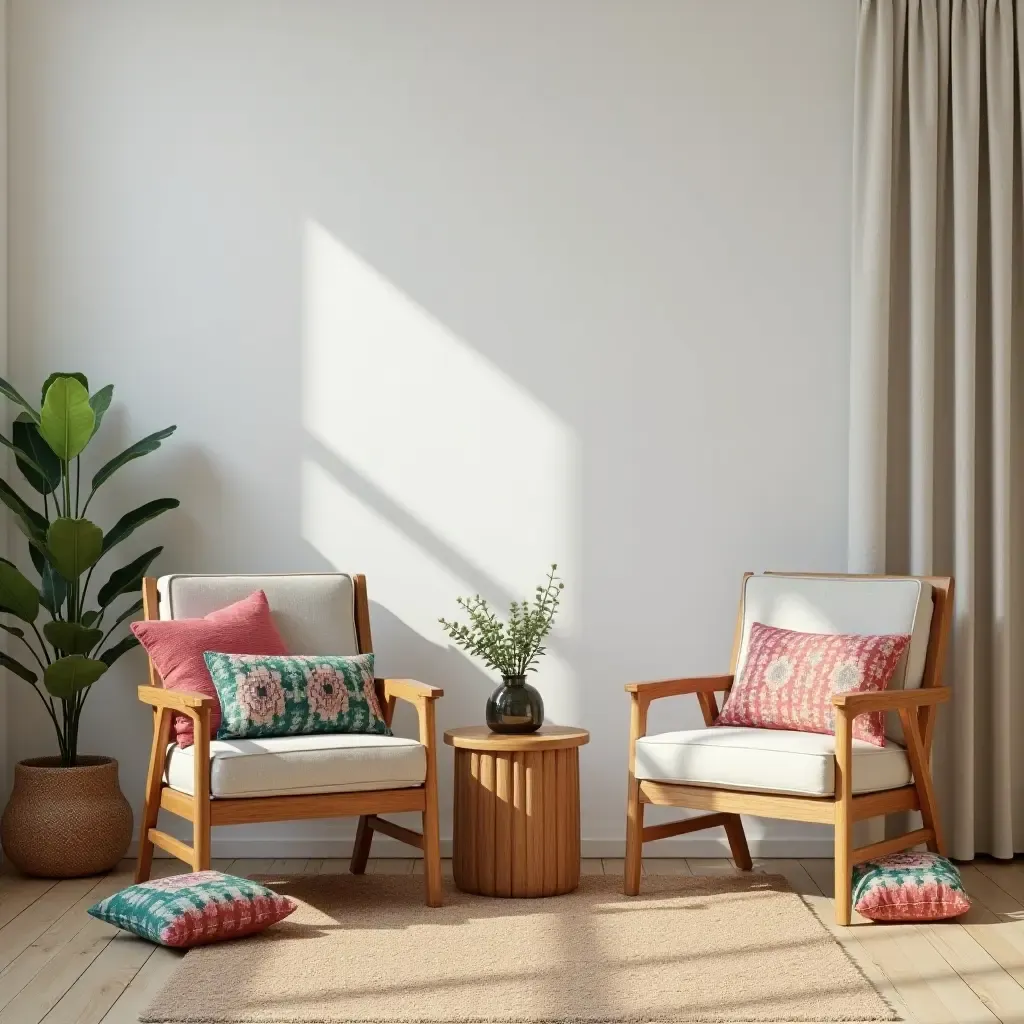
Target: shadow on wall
{"type": "Point", "coordinates": [426, 466]}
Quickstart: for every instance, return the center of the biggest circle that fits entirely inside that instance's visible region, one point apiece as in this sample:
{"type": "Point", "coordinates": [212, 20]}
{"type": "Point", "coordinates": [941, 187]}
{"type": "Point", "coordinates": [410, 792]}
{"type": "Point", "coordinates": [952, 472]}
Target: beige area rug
{"type": "Point", "coordinates": [366, 949]}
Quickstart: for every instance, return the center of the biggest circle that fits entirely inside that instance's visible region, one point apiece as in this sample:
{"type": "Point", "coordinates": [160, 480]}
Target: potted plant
{"type": "Point", "coordinates": [512, 649]}
{"type": "Point", "coordinates": [67, 816]}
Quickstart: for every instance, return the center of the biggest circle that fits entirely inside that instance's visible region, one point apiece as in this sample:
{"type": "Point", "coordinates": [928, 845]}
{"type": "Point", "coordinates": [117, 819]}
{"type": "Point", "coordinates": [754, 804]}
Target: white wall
{"type": "Point", "coordinates": [5, 759]}
{"type": "Point", "coordinates": [444, 292]}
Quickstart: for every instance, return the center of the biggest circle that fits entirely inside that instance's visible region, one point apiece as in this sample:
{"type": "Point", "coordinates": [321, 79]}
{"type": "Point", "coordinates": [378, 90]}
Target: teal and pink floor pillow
{"type": "Point", "coordinates": [909, 887]}
{"type": "Point", "coordinates": [194, 909]}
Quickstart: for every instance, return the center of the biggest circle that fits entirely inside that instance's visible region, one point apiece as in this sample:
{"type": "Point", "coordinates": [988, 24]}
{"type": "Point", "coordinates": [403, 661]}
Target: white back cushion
{"type": "Point", "coordinates": [315, 612]}
{"type": "Point", "coordinates": [832, 604]}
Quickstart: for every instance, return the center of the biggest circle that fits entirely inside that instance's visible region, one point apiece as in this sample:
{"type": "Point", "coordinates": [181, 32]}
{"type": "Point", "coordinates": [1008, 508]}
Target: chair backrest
{"type": "Point", "coordinates": [316, 613]}
{"type": "Point", "coordinates": [869, 605]}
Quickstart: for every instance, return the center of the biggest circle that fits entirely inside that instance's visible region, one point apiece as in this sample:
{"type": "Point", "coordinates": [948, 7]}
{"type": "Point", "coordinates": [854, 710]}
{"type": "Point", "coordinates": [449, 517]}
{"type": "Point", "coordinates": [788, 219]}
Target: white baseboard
{"type": "Point", "coordinates": [297, 847]}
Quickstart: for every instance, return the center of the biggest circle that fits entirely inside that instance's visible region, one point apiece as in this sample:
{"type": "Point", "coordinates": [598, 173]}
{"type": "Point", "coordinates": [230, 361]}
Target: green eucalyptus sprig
{"type": "Point", "coordinates": [510, 648]}
{"type": "Point", "coordinates": [70, 651]}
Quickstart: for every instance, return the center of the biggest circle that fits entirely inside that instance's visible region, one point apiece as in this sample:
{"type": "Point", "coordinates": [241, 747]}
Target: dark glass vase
{"type": "Point", "coordinates": [515, 706]}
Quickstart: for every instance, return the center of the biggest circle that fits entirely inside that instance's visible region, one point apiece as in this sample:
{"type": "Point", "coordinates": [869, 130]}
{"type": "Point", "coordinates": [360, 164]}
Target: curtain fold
{"type": "Point", "coordinates": [936, 396]}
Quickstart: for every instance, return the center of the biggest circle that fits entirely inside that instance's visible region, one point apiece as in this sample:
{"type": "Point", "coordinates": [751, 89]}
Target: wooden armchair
{"type": "Point", "coordinates": [287, 778]}
{"type": "Point", "coordinates": [774, 773]}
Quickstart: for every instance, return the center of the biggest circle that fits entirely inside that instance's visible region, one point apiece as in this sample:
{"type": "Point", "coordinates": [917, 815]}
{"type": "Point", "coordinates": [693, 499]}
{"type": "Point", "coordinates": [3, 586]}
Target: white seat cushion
{"type": "Point", "coordinates": [293, 765]}
{"type": "Point", "coordinates": [769, 760]}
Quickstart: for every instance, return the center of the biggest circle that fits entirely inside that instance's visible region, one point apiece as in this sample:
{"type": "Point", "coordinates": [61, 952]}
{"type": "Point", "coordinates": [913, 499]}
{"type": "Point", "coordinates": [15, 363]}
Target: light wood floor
{"type": "Point", "coordinates": [59, 966]}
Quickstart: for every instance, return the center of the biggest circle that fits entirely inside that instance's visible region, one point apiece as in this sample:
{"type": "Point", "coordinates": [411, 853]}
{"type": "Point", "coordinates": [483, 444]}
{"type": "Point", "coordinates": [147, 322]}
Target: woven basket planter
{"type": "Point", "coordinates": [66, 822]}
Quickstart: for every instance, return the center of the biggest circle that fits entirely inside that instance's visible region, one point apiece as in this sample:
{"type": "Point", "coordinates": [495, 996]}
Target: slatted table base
{"type": "Point", "coordinates": [517, 822]}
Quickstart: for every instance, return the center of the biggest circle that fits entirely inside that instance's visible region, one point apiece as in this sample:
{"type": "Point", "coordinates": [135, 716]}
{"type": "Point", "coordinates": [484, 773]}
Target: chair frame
{"type": "Point", "coordinates": [916, 709]}
{"type": "Point", "coordinates": [205, 812]}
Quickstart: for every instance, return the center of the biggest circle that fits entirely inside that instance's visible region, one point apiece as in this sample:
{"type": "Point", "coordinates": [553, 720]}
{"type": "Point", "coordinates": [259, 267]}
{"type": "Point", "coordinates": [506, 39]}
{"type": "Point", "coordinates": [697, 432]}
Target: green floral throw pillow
{"type": "Point", "coordinates": [274, 695]}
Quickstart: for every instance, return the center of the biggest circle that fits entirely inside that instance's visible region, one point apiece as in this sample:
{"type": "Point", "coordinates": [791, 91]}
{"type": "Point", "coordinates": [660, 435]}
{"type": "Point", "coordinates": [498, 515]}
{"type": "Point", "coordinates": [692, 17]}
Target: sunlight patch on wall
{"type": "Point", "coordinates": [448, 476]}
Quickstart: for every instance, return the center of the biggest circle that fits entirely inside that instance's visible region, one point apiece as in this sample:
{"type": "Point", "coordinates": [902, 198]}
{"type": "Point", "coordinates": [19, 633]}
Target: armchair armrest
{"type": "Point", "coordinates": [675, 687]}
{"type": "Point", "coordinates": [862, 703]}
{"type": "Point", "coordinates": [176, 700]}
{"type": "Point", "coordinates": [411, 690]}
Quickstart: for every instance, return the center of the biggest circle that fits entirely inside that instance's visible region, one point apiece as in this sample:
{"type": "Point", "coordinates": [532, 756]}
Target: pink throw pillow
{"type": "Point", "coordinates": [789, 679]}
{"type": "Point", "coordinates": [176, 647]}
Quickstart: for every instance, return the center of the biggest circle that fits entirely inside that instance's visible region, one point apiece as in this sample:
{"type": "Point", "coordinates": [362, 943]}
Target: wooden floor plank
{"type": "Point", "coordinates": [17, 935]}
{"type": "Point", "coordinates": [34, 1001]}
{"type": "Point", "coordinates": [1008, 875]}
{"type": "Point", "coordinates": [244, 867]}
{"type": "Point", "coordinates": [39, 957]}
{"type": "Point", "coordinates": [153, 975]}
{"type": "Point", "coordinates": [978, 969]}
{"type": "Point", "coordinates": [102, 982]}
{"type": "Point", "coordinates": [19, 893]}
{"type": "Point", "coordinates": [288, 867]}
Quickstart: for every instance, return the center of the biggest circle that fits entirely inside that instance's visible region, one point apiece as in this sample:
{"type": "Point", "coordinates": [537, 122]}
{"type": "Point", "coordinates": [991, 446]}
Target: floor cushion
{"type": "Point", "coordinates": [909, 887]}
{"type": "Point", "coordinates": [291, 765]}
{"type": "Point", "coordinates": [769, 760]}
{"type": "Point", "coordinates": [194, 909]}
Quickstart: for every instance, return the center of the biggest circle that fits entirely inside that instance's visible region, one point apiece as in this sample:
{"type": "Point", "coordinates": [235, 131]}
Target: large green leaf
{"type": "Point", "coordinates": [17, 594]}
{"type": "Point", "coordinates": [74, 672]}
{"type": "Point", "coordinates": [148, 444]}
{"type": "Point", "coordinates": [71, 637]}
{"type": "Point", "coordinates": [100, 403]}
{"type": "Point", "coordinates": [131, 521]}
{"type": "Point", "coordinates": [9, 391]}
{"type": "Point", "coordinates": [80, 377]}
{"type": "Point", "coordinates": [32, 464]}
{"type": "Point", "coordinates": [36, 459]}
{"type": "Point", "coordinates": [15, 666]}
{"type": "Point", "coordinates": [127, 578]}
{"type": "Point", "coordinates": [90, 617]}
{"type": "Point", "coordinates": [29, 521]}
{"type": "Point", "coordinates": [66, 420]}
{"type": "Point", "coordinates": [111, 654]}
{"type": "Point", "coordinates": [73, 545]}
{"type": "Point", "coordinates": [54, 588]}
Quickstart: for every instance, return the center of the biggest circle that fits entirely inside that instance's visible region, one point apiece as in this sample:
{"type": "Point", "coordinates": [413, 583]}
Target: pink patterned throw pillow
{"type": "Point", "coordinates": [789, 679]}
{"type": "Point", "coordinates": [194, 909]}
{"type": "Point", "coordinates": [909, 887]}
{"type": "Point", "coordinates": [176, 647]}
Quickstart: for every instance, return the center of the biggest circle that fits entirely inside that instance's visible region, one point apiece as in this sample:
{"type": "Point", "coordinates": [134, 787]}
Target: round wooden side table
{"type": "Point", "coordinates": [517, 810]}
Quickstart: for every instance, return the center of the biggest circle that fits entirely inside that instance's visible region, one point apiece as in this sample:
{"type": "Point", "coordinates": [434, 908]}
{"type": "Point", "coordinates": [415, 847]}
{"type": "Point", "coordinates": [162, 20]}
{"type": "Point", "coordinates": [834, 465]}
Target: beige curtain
{"type": "Point", "coordinates": [937, 368]}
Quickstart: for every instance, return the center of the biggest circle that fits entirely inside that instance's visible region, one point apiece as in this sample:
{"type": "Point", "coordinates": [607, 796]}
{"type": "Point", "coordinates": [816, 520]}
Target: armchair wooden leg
{"type": "Point", "coordinates": [431, 829]}
{"type": "Point", "coordinates": [634, 839]}
{"type": "Point", "coordinates": [843, 819]}
{"type": "Point", "coordinates": [432, 851]}
{"type": "Point", "coordinates": [361, 847]}
{"type": "Point", "coordinates": [738, 843]}
{"type": "Point", "coordinates": [154, 783]}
